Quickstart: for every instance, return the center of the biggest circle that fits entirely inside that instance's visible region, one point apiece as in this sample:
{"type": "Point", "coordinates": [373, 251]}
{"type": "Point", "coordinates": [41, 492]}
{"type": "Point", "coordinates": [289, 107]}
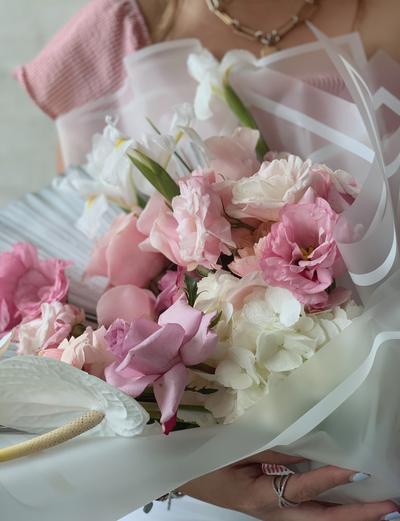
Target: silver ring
{"type": "Point", "coordinates": [279, 485]}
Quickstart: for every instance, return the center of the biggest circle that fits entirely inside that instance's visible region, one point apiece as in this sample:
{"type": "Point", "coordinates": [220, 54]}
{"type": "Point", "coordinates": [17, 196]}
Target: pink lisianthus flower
{"type": "Point", "coordinates": [234, 157]}
{"type": "Point", "coordinates": [118, 257]}
{"type": "Point", "coordinates": [158, 354]}
{"type": "Point", "coordinates": [27, 282]}
{"type": "Point", "coordinates": [337, 187]}
{"type": "Point", "coordinates": [50, 329]}
{"type": "Point", "coordinates": [88, 352]}
{"type": "Point", "coordinates": [194, 231]}
{"type": "Point", "coordinates": [300, 253]}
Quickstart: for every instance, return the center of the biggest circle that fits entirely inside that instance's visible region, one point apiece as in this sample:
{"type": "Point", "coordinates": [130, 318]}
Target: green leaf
{"type": "Point", "coordinates": [155, 174]}
{"type": "Point", "coordinates": [245, 117]}
{"type": "Point", "coordinates": [142, 199]}
{"type": "Point", "coordinates": [191, 289]}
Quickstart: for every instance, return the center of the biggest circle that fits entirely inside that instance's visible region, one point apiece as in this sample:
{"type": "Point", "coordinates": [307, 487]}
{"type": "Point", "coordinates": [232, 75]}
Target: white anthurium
{"type": "Point", "coordinates": [210, 74]}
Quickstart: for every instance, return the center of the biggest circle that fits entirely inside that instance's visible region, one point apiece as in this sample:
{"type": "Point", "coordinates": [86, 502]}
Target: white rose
{"type": "Point", "coordinates": [277, 183]}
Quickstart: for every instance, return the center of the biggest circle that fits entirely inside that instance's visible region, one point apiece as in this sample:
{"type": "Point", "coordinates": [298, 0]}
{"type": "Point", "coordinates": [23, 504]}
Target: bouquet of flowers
{"type": "Point", "coordinates": [229, 274]}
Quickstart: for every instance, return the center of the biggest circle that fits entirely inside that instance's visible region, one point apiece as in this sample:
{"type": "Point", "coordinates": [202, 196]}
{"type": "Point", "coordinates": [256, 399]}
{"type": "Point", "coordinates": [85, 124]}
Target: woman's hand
{"type": "Point", "coordinates": [243, 487]}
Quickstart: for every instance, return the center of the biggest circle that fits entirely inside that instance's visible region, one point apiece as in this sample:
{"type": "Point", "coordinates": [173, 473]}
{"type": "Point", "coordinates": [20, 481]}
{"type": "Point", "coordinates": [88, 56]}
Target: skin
{"type": "Point", "coordinates": [375, 20]}
{"type": "Point", "coordinates": [243, 487]}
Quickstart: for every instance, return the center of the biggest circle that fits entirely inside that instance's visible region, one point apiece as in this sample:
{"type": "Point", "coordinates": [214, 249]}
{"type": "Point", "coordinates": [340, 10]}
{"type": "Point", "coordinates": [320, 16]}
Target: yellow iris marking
{"type": "Point", "coordinates": [119, 141]}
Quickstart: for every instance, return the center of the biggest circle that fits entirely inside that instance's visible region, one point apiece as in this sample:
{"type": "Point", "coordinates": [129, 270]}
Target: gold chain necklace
{"type": "Point", "coordinates": [268, 40]}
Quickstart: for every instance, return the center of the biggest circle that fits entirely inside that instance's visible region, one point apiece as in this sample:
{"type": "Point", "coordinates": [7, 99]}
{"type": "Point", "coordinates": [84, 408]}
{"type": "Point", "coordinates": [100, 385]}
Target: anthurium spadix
{"type": "Point", "coordinates": [213, 79]}
{"type": "Point", "coordinates": [38, 394]}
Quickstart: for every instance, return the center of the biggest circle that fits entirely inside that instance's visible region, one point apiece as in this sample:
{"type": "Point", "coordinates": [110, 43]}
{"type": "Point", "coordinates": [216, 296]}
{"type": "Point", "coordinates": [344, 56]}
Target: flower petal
{"type": "Point", "coordinates": [169, 390]}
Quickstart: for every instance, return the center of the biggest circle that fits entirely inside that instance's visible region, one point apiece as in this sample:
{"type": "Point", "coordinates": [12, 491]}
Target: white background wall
{"type": "Point", "coordinates": [27, 136]}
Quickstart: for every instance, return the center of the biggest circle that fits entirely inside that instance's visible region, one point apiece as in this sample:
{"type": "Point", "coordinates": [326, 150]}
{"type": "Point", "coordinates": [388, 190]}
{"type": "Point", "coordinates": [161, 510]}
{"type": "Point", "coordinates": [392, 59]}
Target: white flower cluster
{"type": "Point", "coordinates": [264, 334]}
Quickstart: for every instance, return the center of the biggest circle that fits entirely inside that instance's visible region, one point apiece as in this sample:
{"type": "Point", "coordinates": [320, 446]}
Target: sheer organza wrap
{"type": "Point", "coordinates": [321, 100]}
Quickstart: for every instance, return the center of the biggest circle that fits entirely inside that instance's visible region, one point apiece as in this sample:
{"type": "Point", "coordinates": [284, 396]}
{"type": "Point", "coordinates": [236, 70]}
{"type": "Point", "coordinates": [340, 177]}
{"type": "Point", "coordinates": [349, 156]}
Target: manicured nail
{"type": "Point", "coordinates": [391, 516]}
{"type": "Point", "coordinates": [359, 476]}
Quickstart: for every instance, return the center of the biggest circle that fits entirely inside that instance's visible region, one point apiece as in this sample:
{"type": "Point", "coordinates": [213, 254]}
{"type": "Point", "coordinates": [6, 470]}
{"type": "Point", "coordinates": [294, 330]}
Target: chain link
{"type": "Point", "coordinates": [269, 39]}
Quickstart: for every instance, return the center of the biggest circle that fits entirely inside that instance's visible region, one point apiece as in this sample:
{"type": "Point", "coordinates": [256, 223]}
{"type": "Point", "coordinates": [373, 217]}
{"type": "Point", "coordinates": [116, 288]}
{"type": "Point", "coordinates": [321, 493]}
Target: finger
{"type": "Point", "coordinates": [359, 512]}
{"type": "Point", "coordinates": [316, 511]}
{"type": "Point", "coordinates": [309, 485]}
{"type": "Point", "coordinates": [270, 456]}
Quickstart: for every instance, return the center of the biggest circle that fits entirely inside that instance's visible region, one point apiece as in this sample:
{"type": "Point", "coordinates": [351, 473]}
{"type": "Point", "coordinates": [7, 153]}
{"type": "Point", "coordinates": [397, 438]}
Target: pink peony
{"type": "Point", "coordinates": [158, 354]}
{"type": "Point", "coordinates": [195, 231]}
{"type": "Point", "coordinates": [300, 252]}
{"type": "Point", "coordinates": [234, 157]}
{"type": "Point", "coordinates": [126, 302]}
{"type": "Point", "coordinates": [118, 257]}
{"type": "Point", "coordinates": [26, 283]}
{"type": "Point", "coordinates": [88, 351]}
{"type": "Point", "coordinates": [50, 329]}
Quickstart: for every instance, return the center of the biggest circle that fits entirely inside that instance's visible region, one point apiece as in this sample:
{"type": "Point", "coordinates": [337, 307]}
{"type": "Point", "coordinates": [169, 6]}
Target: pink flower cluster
{"type": "Point", "coordinates": [194, 230]}
{"type": "Point", "coordinates": [26, 283]}
{"type": "Point", "coordinates": [301, 255]}
{"type": "Point", "coordinates": [268, 223]}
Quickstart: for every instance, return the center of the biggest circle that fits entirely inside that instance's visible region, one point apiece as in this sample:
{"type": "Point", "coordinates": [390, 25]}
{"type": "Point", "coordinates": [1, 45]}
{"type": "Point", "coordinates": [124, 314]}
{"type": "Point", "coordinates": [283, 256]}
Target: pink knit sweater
{"type": "Point", "coordinates": [83, 61]}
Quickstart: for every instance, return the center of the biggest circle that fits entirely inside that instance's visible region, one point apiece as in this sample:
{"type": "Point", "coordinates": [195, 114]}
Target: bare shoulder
{"type": "Point", "coordinates": [379, 26]}
{"type": "Point", "coordinates": [153, 12]}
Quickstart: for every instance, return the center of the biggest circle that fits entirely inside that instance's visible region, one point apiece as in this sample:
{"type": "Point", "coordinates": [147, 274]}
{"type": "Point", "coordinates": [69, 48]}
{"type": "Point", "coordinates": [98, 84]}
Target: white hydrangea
{"type": "Point", "coordinates": [268, 336]}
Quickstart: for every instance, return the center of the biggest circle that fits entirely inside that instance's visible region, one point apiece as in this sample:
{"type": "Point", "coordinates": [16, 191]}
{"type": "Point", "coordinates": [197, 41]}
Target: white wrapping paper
{"type": "Point", "coordinates": [342, 406]}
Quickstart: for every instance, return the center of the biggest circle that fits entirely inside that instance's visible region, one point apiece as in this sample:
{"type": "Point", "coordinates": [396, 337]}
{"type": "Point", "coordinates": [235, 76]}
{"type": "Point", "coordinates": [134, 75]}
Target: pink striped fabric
{"type": "Point", "coordinates": [83, 61]}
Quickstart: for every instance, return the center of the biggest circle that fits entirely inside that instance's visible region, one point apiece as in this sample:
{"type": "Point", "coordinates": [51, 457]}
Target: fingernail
{"type": "Point", "coordinates": [359, 476]}
{"type": "Point", "coordinates": [391, 516]}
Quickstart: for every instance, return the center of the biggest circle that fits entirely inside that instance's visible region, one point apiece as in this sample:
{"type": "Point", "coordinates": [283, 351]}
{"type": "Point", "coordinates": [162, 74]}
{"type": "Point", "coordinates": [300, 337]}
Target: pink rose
{"type": "Point", "coordinates": [300, 253]}
{"type": "Point", "coordinates": [118, 257]}
{"type": "Point", "coordinates": [26, 283]}
{"type": "Point", "coordinates": [50, 329]}
{"type": "Point", "coordinates": [127, 303]}
{"type": "Point", "coordinates": [158, 354]}
{"type": "Point", "coordinates": [234, 157]}
{"type": "Point", "coordinates": [88, 351]}
{"type": "Point", "coordinates": [195, 231]}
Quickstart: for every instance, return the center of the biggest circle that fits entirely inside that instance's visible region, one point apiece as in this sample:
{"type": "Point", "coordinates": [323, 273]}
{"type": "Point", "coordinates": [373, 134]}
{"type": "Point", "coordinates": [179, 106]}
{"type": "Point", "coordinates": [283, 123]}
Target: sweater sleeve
{"type": "Point", "coordinates": [84, 60]}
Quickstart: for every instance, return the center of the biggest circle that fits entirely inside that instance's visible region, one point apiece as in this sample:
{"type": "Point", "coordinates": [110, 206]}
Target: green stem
{"type": "Point", "coordinates": [245, 117]}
